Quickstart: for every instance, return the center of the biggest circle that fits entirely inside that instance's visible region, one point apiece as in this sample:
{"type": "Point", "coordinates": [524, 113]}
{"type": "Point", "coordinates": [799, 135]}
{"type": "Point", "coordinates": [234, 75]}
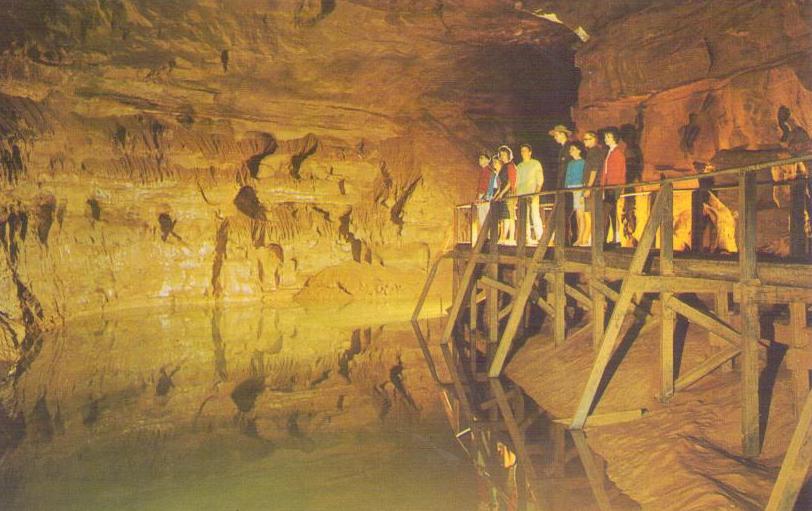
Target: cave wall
{"type": "Point", "coordinates": [722, 68]}
{"type": "Point", "coordinates": [154, 152]}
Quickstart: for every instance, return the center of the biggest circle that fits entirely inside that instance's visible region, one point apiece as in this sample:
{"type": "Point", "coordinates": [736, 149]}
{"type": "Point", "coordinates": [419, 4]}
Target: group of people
{"type": "Point", "coordinates": [598, 159]}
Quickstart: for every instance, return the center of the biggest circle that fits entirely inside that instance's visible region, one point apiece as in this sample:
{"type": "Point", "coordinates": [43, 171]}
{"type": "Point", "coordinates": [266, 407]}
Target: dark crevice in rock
{"type": "Point", "coordinates": [248, 203]}
{"type": "Point", "coordinates": [45, 218]}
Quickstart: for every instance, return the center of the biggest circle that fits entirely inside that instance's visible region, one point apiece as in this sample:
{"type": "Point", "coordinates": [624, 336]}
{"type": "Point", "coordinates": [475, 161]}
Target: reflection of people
{"type": "Point", "coordinates": [575, 179]}
{"type": "Point", "coordinates": [507, 459]}
{"type": "Point", "coordinates": [530, 179]}
{"type": "Point", "coordinates": [614, 173]}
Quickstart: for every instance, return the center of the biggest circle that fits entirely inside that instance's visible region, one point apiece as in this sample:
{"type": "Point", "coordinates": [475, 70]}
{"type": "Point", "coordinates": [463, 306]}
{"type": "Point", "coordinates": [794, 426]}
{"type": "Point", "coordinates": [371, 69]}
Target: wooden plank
{"type": "Point", "coordinates": [505, 311]}
{"type": "Point", "coordinates": [750, 425]}
{"type": "Point", "coordinates": [605, 290]}
{"type": "Point", "coordinates": [704, 320]}
{"type": "Point", "coordinates": [473, 331]}
{"type": "Point", "coordinates": [593, 473]}
{"type": "Point", "coordinates": [796, 464]}
{"type": "Point", "coordinates": [465, 282]}
{"type": "Point", "coordinates": [622, 305]}
{"type": "Point", "coordinates": [501, 286]}
{"type": "Point", "coordinates": [705, 368]}
{"type": "Point", "coordinates": [491, 403]}
{"type": "Point", "coordinates": [520, 300]}
{"type": "Point", "coordinates": [676, 284]}
{"type": "Point", "coordinates": [607, 419]}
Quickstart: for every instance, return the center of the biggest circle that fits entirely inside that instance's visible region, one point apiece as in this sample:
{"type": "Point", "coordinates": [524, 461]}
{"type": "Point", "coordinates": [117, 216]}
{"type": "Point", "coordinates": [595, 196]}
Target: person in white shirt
{"type": "Point", "coordinates": [530, 179]}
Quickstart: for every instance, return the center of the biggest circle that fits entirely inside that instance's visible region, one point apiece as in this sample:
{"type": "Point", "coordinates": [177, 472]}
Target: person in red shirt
{"type": "Point", "coordinates": [483, 205]}
{"type": "Point", "coordinates": [614, 173]}
{"type": "Point", "coordinates": [506, 157]}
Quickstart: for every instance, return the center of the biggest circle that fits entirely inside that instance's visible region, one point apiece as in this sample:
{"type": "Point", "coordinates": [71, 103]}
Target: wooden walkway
{"type": "Point", "coordinates": [498, 289]}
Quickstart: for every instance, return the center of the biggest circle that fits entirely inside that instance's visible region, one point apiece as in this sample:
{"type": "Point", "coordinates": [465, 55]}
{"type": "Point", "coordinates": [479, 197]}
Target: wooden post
{"type": "Point", "coordinates": [797, 236]}
{"type": "Point", "coordinates": [668, 315]}
{"type": "Point", "coordinates": [796, 464]}
{"type": "Point", "coordinates": [559, 282]}
{"type": "Point", "coordinates": [751, 436]}
{"type": "Point", "coordinates": [598, 237]}
{"type": "Point", "coordinates": [721, 306]}
{"type": "Point", "coordinates": [697, 218]}
{"type": "Point", "coordinates": [473, 329]}
{"type": "Point", "coordinates": [800, 344]}
{"type": "Point", "coordinates": [520, 269]}
{"type": "Point", "coordinates": [492, 294]}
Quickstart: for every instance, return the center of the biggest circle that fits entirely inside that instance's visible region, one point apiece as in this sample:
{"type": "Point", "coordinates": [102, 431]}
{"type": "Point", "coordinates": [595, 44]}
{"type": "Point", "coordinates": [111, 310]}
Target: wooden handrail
{"type": "Point", "coordinates": [691, 177]}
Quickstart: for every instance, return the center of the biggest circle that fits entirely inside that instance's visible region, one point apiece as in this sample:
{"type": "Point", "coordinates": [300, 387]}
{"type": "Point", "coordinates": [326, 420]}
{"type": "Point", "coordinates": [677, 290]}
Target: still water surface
{"type": "Point", "coordinates": [236, 408]}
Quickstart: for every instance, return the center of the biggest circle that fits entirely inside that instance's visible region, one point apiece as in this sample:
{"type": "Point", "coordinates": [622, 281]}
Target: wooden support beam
{"type": "Point", "coordinates": [495, 284]}
{"type": "Point", "coordinates": [800, 345]}
{"type": "Point", "coordinates": [675, 284]}
{"type": "Point", "coordinates": [667, 316]}
{"type": "Point", "coordinates": [796, 464]}
{"type": "Point", "coordinates": [607, 419]}
{"type": "Point", "coordinates": [668, 323]}
{"type": "Point", "coordinates": [506, 342]}
{"type": "Point", "coordinates": [595, 476]}
{"type": "Point", "coordinates": [559, 277]}
{"type": "Point", "coordinates": [579, 296]}
{"type": "Point", "coordinates": [559, 305]}
{"type": "Point", "coordinates": [704, 320]}
{"type": "Point", "coordinates": [491, 403]}
{"type": "Point", "coordinates": [473, 329]}
{"type": "Point", "coordinates": [598, 228]}
{"type": "Point", "coordinates": [797, 234]}
{"type": "Point", "coordinates": [505, 311]}
{"type": "Point", "coordinates": [492, 294]}
{"type": "Point", "coordinates": [627, 292]}
{"type": "Point", "coordinates": [751, 434]}
{"type": "Point", "coordinates": [467, 276]}
{"type": "Point", "coordinates": [705, 368]}
{"type": "Point", "coordinates": [546, 306]}
{"type": "Point", "coordinates": [598, 317]}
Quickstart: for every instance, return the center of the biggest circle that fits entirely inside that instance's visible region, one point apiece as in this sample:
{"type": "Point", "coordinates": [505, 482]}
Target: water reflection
{"type": "Point", "coordinates": [523, 459]}
{"type": "Point", "coordinates": [228, 408]}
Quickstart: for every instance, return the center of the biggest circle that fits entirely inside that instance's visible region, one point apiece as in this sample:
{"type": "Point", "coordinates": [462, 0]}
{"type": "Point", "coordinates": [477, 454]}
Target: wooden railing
{"type": "Point", "coordinates": [466, 224]}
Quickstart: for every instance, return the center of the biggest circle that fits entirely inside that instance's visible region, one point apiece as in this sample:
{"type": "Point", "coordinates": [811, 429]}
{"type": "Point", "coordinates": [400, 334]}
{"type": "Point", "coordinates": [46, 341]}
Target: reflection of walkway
{"type": "Point", "coordinates": [522, 458]}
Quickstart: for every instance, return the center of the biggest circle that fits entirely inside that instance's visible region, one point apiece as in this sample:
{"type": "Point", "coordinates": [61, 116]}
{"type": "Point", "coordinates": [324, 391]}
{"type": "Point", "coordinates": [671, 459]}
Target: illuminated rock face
{"type": "Point", "coordinates": [239, 150]}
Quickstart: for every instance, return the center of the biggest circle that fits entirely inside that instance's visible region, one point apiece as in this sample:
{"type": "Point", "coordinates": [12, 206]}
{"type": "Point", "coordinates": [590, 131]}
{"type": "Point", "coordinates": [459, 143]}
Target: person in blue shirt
{"type": "Point", "coordinates": [574, 178]}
